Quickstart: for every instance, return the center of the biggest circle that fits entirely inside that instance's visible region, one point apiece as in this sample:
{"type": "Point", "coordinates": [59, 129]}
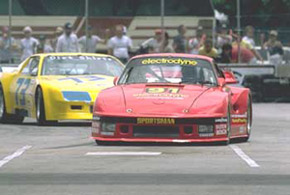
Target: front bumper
{"type": "Point", "coordinates": [70, 111]}
{"type": "Point", "coordinates": [182, 131]}
{"type": "Point", "coordinates": [156, 140]}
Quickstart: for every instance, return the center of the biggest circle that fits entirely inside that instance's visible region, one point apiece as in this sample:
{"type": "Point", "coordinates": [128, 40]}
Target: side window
{"type": "Point", "coordinates": [31, 68]}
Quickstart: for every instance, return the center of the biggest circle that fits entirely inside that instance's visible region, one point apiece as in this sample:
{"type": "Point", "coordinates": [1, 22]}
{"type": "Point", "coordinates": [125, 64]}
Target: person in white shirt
{"type": "Point", "coordinates": [93, 41]}
{"type": "Point", "coordinates": [120, 45]}
{"type": "Point", "coordinates": [58, 32]}
{"type": "Point", "coordinates": [28, 43]}
{"type": "Point", "coordinates": [44, 46]}
{"type": "Point", "coordinates": [249, 39]}
{"type": "Point", "coordinates": [155, 43]}
{"type": "Point", "coordinates": [224, 37]}
{"type": "Point", "coordinates": [68, 41]}
{"type": "Point", "coordinates": [7, 53]}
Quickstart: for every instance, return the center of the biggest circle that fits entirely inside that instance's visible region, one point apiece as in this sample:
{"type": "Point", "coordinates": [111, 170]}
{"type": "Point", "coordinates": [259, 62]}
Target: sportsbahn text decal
{"type": "Point", "coordinates": [155, 121]}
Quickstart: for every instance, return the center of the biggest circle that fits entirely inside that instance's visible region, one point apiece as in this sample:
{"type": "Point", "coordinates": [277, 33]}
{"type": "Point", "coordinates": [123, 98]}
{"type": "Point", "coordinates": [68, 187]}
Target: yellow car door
{"type": "Point", "coordinates": [23, 87]}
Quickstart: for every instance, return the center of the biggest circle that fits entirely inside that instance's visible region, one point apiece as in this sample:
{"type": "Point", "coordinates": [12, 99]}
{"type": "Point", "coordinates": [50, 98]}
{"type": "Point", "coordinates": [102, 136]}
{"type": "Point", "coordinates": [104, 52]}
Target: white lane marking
{"type": "Point", "coordinates": [16, 154]}
{"type": "Point", "coordinates": [243, 156]}
{"type": "Point", "coordinates": [123, 153]}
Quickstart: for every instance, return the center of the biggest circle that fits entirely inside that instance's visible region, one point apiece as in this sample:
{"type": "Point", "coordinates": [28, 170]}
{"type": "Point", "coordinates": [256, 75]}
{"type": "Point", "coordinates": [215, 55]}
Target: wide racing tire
{"type": "Point", "coordinates": [40, 109]}
{"type": "Point", "coordinates": [4, 116]}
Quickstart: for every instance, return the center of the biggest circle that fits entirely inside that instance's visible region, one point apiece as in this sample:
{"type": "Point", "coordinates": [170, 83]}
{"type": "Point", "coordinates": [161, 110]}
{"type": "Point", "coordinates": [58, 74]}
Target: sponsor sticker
{"type": "Point", "coordinates": [221, 132]}
{"type": "Point", "coordinates": [79, 58]}
{"type": "Point", "coordinates": [221, 120]}
{"type": "Point", "coordinates": [239, 120]}
{"type": "Point", "coordinates": [179, 61]}
{"type": "Point", "coordinates": [155, 121]}
{"type": "Point", "coordinates": [206, 135]}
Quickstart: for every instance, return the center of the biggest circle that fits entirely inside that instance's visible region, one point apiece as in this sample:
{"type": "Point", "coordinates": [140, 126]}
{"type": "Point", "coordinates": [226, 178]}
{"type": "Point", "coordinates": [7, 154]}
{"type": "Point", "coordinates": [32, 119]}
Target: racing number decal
{"type": "Point", "coordinates": [20, 82]}
{"type": "Point", "coordinates": [173, 90]}
{"type": "Point", "coordinates": [81, 79]}
{"type": "Point", "coordinates": [162, 90]}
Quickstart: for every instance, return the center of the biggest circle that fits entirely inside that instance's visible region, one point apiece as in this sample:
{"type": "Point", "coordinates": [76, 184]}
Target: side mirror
{"type": "Point", "coordinates": [116, 80]}
{"type": "Point", "coordinates": [230, 77]}
{"type": "Point", "coordinates": [221, 81]}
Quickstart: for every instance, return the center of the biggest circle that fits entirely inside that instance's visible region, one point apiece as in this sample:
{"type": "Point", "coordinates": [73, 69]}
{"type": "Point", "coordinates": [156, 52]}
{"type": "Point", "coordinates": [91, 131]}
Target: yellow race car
{"type": "Point", "coordinates": [56, 86]}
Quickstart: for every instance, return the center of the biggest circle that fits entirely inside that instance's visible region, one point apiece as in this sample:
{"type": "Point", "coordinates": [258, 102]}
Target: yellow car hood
{"type": "Point", "coordinates": [87, 83]}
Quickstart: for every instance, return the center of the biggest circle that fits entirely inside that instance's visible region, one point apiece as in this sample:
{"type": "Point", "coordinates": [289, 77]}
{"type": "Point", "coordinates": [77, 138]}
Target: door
{"type": "Point", "coordinates": [23, 87]}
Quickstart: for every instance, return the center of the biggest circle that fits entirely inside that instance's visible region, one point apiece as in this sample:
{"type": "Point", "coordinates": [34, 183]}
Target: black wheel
{"type": "Point", "coordinates": [40, 110]}
{"type": "Point", "coordinates": [4, 116]}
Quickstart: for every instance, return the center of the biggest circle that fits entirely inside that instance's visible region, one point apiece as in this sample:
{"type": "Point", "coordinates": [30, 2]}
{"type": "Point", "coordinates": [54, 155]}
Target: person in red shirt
{"type": "Point", "coordinates": [247, 55]}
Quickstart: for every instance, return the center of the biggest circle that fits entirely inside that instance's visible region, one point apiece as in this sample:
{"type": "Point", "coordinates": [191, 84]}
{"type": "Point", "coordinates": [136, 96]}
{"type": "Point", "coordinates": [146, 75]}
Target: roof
{"type": "Point", "coordinates": [182, 55]}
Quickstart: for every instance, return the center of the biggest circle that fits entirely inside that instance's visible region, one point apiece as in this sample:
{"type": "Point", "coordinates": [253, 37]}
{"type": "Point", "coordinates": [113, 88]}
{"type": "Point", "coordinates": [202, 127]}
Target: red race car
{"type": "Point", "coordinates": [176, 98]}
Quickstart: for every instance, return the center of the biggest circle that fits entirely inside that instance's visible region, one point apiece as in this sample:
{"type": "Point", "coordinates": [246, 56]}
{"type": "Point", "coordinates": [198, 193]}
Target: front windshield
{"type": "Point", "coordinates": [169, 70]}
{"type": "Point", "coordinates": [81, 65]}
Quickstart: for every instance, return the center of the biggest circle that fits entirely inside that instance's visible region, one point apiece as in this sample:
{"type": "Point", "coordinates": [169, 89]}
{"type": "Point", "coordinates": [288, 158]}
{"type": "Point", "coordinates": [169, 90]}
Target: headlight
{"type": "Point", "coordinates": [96, 124]}
{"type": "Point", "coordinates": [108, 128]}
{"type": "Point", "coordinates": [205, 130]}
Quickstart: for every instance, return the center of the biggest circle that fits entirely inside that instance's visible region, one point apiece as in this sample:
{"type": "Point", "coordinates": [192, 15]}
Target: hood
{"type": "Point", "coordinates": [162, 99]}
{"type": "Point", "coordinates": [78, 82]}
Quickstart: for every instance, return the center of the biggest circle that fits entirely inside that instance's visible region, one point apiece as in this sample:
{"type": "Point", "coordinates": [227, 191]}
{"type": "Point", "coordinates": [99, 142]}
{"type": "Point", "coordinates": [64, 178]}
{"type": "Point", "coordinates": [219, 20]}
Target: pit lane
{"type": "Point", "coordinates": [57, 162]}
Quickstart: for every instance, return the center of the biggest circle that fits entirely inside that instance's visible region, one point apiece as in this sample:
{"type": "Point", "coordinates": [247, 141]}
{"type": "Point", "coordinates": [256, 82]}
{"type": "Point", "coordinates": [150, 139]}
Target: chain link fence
{"type": "Point", "coordinates": [141, 18]}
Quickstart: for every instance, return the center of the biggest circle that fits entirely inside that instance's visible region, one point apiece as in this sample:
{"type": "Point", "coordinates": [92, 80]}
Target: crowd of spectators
{"type": "Point", "coordinates": [226, 47]}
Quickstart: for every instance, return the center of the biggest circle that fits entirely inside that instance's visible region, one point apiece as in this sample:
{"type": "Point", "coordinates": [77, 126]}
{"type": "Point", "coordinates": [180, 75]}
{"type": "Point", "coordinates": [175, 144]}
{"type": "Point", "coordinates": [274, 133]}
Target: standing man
{"type": "Point", "coordinates": [58, 32]}
{"type": "Point", "coordinates": [155, 43]}
{"type": "Point", "coordinates": [120, 45]}
{"type": "Point", "coordinates": [6, 53]}
{"type": "Point", "coordinates": [28, 43]}
{"type": "Point", "coordinates": [275, 48]}
{"type": "Point", "coordinates": [180, 41]}
{"type": "Point", "coordinates": [208, 50]}
{"type": "Point", "coordinates": [93, 41]}
{"type": "Point", "coordinates": [249, 39]}
{"type": "Point", "coordinates": [68, 41]}
{"type": "Point", "coordinates": [43, 46]}
{"type": "Point", "coordinates": [224, 37]}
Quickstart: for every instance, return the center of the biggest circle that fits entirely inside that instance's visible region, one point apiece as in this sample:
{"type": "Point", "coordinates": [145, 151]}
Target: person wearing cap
{"type": "Point", "coordinates": [180, 41]}
{"type": "Point", "coordinates": [28, 43]}
{"type": "Point", "coordinates": [120, 45]}
{"type": "Point", "coordinates": [43, 46]}
{"type": "Point", "coordinates": [92, 42]}
{"type": "Point", "coordinates": [154, 44]}
{"type": "Point", "coordinates": [275, 48]}
{"type": "Point", "coordinates": [6, 53]}
{"type": "Point", "coordinates": [224, 37]}
{"type": "Point", "coordinates": [58, 32]}
{"type": "Point", "coordinates": [68, 41]}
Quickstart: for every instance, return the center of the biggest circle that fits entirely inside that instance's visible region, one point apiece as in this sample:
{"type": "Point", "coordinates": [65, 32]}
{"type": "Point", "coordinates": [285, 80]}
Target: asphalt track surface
{"type": "Point", "coordinates": [54, 160]}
